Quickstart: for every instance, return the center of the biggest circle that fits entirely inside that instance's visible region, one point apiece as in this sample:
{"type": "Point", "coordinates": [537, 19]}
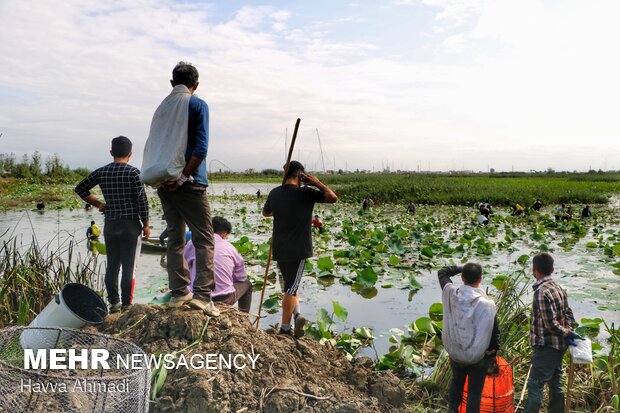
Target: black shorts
{"type": "Point", "coordinates": [290, 275]}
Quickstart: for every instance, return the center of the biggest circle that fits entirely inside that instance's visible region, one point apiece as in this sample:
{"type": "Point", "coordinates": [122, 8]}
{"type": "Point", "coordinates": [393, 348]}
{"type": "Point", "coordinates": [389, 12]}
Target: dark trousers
{"type": "Point", "coordinates": [546, 368]}
{"type": "Point", "coordinates": [188, 205]}
{"type": "Point", "coordinates": [163, 236]}
{"type": "Point", "coordinates": [476, 374]}
{"type": "Point", "coordinates": [242, 294]}
{"type": "Point", "coordinates": [122, 243]}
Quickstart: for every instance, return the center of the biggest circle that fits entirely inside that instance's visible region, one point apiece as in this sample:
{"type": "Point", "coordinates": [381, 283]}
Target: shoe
{"type": "Point", "coordinates": [300, 322]}
{"type": "Point", "coordinates": [115, 308]}
{"type": "Point", "coordinates": [286, 333]}
{"type": "Point", "coordinates": [125, 307]}
{"type": "Point", "coordinates": [176, 302]}
{"type": "Point", "coordinates": [206, 306]}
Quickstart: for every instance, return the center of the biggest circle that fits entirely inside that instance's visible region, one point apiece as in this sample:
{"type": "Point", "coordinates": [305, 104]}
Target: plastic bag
{"type": "Point", "coordinates": [164, 151]}
{"type": "Point", "coordinates": [582, 352]}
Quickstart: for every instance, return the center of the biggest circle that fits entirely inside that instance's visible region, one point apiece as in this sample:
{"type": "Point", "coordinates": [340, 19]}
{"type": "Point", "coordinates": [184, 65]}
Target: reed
{"type": "Point", "coordinates": [31, 276]}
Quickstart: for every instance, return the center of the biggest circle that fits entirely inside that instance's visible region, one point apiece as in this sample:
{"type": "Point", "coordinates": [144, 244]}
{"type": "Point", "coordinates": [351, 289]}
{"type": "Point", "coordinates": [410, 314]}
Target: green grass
{"type": "Point", "coordinates": [24, 193]}
{"type": "Point", "coordinates": [470, 189]}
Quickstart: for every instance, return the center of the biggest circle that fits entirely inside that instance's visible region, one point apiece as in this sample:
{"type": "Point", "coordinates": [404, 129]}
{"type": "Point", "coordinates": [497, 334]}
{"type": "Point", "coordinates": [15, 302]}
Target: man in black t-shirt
{"type": "Point", "coordinates": [291, 206]}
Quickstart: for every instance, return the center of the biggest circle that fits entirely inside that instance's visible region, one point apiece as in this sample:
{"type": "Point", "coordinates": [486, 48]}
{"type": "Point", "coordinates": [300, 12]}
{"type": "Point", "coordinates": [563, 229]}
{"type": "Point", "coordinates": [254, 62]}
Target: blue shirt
{"type": "Point", "coordinates": [198, 137]}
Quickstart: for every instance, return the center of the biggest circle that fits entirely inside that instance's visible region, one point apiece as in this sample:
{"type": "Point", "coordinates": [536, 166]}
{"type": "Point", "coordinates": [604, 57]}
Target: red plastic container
{"type": "Point", "coordinates": [498, 392]}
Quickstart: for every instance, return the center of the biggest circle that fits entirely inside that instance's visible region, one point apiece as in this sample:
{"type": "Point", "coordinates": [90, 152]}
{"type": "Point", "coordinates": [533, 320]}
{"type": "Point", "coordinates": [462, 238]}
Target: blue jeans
{"type": "Point", "coordinates": [546, 368]}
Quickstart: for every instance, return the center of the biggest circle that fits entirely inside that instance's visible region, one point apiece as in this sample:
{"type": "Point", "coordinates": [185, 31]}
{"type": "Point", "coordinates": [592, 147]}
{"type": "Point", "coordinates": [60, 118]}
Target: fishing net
{"type": "Point", "coordinates": [118, 389]}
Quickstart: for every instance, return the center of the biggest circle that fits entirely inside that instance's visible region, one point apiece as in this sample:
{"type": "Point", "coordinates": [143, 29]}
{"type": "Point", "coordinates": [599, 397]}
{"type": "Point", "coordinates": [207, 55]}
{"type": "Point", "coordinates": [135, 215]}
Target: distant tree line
{"type": "Point", "coordinates": [33, 167]}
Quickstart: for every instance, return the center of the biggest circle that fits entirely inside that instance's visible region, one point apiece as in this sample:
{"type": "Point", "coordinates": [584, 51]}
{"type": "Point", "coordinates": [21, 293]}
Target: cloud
{"type": "Point", "coordinates": [494, 81]}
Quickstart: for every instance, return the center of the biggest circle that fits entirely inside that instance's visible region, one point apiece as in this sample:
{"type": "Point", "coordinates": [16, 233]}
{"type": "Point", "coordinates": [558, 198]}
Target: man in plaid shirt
{"type": "Point", "coordinates": [550, 335]}
{"type": "Point", "coordinates": [126, 212]}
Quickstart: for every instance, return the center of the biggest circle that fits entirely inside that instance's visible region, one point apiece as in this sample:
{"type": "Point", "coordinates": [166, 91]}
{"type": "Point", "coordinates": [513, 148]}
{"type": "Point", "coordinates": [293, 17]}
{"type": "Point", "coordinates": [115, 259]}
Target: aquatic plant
{"type": "Point", "coordinates": [349, 342]}
{"type": "Point", "coordinates": [30, 278]}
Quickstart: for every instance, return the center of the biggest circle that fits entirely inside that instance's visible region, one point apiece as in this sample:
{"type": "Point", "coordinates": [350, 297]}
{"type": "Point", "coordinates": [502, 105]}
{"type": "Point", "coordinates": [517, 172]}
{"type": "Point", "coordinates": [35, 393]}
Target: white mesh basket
{"type": "Point", "coordinates": [118, 389]}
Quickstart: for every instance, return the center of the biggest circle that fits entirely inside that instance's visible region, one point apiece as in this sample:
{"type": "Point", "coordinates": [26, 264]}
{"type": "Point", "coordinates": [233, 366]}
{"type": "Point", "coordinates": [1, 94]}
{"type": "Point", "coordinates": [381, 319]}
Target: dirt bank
{"type": "Point", "coordinates": [290, 375]}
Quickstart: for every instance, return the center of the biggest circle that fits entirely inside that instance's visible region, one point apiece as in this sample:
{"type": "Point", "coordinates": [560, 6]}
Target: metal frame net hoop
{"type": "Point", "coordinates": [118, 389]}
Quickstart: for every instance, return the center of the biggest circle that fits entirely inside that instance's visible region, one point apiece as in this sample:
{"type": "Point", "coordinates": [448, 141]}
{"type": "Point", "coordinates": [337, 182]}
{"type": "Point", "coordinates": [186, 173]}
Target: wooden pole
{"type": "Point", "coordinates": [286, 168]}
{"type": "Point", "coordinates": [569, 384]}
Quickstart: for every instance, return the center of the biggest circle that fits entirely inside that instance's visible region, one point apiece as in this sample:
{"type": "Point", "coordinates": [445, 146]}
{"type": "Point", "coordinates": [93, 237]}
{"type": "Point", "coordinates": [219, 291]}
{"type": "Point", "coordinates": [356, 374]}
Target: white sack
{"type": "Point", "coordinates": [164, 151]}
{"type": "Point", "coordinates": [582, 352]}
{"type": "Point", "coordinates": [467, 323]}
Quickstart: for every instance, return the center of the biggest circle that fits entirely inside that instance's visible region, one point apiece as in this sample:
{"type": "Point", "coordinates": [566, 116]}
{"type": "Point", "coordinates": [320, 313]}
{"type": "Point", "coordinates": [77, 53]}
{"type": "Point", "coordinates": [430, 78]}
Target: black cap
{"type": "Point", "coordinates": [121, 146]}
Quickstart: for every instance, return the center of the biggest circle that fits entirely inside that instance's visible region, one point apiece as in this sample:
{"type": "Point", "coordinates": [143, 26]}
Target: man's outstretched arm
{"type": "Point", "coordinates": [445, 273]}
{"type": "Point", "coordinates": [330, 196]}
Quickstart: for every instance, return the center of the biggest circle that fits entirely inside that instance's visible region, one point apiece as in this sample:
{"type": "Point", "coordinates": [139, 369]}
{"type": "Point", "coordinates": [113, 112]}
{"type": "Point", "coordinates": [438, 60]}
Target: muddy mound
{"type": "Point", "coordinates": [289, 375]}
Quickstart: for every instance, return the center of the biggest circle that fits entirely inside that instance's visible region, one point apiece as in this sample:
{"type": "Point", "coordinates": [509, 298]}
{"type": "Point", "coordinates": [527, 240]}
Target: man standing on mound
{"type": "Point", "coordinates": [291, 206]}
{"type": "Point", "coordinates": [126, 212]}
{"type": "Point", "coordinates": [185, 200]}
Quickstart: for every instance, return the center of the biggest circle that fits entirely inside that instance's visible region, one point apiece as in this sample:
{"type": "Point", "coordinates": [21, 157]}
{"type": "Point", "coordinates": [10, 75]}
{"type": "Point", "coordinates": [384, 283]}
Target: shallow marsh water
{"type": "Point", "coordinates": [585, 272]}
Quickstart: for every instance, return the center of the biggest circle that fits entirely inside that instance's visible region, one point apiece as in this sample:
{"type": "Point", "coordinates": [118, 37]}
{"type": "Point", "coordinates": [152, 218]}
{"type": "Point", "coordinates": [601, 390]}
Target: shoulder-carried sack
{"type": "Point", "coordinates": [164, 151]}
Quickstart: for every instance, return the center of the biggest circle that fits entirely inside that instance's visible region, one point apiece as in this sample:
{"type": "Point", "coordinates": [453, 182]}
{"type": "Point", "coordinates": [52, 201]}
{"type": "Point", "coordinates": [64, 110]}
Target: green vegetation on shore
{"type": "Point", "coordinates": [34, 169]}
{"type": "Point", "coordinates": [31, 180]}
{"type": "Point", "coordinates": [25, 193]}
{"type": "Point", "coordinates": [381, 188]}
{"type": "Point", "coordinates": [25, 182]}
{"type": "Point", "coordinates": [270, 176]}
{"type": "Point", "coordinates": [497, 189]}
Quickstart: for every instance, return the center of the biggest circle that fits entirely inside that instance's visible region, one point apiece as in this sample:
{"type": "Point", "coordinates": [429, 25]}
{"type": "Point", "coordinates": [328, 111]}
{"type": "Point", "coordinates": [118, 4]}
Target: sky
{"type": "Point", "coordinates": [404, 84]}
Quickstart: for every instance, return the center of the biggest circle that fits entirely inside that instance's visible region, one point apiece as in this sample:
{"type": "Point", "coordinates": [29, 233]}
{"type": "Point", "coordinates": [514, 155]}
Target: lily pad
{"type": "Point", "coordinates": [366, 277]}
{"type": "Point", "coordinates": [436, 311]}
{"type": "Point", "coordinates": [394, 260]}
{"type": "Point", "coordinates": [339, 311]}
{"type": "Point", "coordinates": [325, 264]}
